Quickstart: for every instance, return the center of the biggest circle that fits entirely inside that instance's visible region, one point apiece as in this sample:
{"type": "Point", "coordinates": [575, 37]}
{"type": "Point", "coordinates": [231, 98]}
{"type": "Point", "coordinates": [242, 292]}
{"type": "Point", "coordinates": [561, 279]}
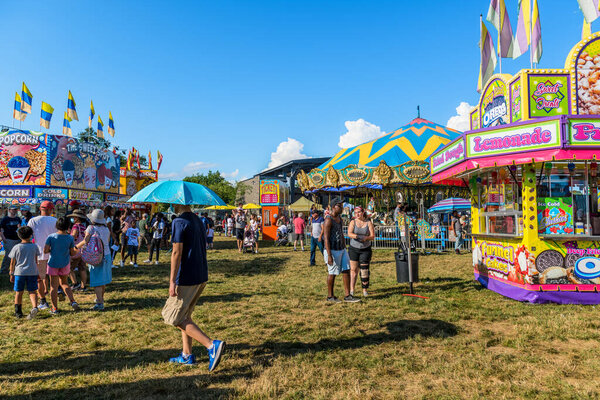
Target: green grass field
{"type": "Point", "coordinates": [284, 341]}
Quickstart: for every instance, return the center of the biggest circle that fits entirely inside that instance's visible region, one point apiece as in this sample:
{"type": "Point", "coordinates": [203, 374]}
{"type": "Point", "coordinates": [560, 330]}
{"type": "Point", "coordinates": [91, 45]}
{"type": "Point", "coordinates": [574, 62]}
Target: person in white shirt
{"type": "Point", "coordinates": [158, 230]}
{"type": "Point", "coordinates": [43, 226]}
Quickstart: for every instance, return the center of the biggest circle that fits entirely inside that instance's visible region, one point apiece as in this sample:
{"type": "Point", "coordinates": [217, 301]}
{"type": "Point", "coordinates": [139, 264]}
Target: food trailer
{"type": "Point", "coordinates": [274, 195]}
{"type": "Point", "coordinates": [530, 161]}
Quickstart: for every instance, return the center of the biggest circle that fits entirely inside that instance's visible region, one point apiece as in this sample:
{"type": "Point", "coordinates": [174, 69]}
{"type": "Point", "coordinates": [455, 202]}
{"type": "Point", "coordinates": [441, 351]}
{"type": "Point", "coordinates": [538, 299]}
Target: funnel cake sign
{"type": "Point", "coordinates": [516, 139]}
{"type": "Point", "coordinates": [585, 133]}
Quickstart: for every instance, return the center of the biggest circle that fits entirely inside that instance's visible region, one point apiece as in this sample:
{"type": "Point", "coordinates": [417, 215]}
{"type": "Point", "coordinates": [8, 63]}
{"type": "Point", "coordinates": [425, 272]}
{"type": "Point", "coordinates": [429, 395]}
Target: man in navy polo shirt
{"type": "Point", "coordinates": [189, 274]}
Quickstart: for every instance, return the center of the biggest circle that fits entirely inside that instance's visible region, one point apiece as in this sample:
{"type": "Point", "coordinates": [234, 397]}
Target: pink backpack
{"type": "Point", "coordinates": [93, 252]}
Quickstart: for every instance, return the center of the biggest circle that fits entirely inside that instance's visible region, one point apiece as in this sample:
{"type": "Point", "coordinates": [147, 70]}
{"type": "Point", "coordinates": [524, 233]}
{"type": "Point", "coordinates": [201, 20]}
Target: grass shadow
{"type": "Point", "coordinates": [140, 303]}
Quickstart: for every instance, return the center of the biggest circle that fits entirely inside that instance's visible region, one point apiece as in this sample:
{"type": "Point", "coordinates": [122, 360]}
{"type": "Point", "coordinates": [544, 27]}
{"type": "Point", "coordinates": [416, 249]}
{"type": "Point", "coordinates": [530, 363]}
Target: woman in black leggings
{"type": "Point", "coordinates": [361, 233]}
{"type": "Point", "coordinates": [158, 230]}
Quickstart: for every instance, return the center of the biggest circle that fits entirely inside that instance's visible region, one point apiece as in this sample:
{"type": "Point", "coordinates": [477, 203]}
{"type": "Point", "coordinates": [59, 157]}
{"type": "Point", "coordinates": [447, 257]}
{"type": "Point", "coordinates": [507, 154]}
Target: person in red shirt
{"type": "Point", "coordinates": [299, 228]}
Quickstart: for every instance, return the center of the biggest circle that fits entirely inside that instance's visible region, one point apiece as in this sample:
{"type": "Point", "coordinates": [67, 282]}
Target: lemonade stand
{"type": "Point", "coordinates": [530, 161]}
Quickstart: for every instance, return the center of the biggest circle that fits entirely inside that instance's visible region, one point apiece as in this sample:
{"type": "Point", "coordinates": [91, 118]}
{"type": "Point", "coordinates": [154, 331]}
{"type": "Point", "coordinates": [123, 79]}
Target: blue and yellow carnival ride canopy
{"type": "Point", "coordinates": [398, 157]}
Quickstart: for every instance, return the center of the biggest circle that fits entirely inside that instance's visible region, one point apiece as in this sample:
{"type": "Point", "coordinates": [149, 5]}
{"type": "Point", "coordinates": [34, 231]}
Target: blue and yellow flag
{"type": "Point", "coordinates": [111, 125]}
{"type": "Point", "coordinates": [27, 99]}
{"type": "Point", "coordinates": [67, 125]}
{"type": "Point", "coordinates": [17, 114]}
{"type": "Point", "coordinates": [46, 115]}
{"type": "Point", "coordinates": [92, 113]}
{"type": "Point", "coordinates": [71, 112]}
{"type": "Point", "coordinates": [100, 132]}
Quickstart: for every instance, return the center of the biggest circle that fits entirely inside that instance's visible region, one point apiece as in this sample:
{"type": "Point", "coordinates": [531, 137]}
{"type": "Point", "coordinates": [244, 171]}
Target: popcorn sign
{"type": "Point", "coordinates": [449, 156]}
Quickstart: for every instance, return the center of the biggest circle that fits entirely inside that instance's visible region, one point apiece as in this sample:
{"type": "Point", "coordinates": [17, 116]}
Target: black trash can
{"type": "Point", "coordinates": [402, 267]}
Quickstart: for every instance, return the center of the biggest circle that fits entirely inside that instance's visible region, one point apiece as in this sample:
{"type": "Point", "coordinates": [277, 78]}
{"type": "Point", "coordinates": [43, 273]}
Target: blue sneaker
{"type": "Point", "coordinates": [214, 354]}
{"type": "Point", "coordinates": [180, 359]}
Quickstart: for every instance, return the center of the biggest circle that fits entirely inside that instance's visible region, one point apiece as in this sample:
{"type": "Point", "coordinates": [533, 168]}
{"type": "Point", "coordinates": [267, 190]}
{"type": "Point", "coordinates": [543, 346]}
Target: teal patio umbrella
{"type": "Point", "coordinates": [177, 192]}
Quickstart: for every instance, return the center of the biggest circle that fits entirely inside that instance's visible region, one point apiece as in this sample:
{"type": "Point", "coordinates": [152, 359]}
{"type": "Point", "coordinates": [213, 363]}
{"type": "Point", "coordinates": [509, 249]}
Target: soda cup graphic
{"type": "Point", "coordinates": [68, 172]}
{"type": "Point", "coordinates": [18, 167]}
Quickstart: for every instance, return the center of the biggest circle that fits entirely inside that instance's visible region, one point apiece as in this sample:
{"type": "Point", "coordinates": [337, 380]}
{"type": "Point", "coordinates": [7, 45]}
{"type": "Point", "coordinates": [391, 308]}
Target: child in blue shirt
{"type": "Point", "coordinates": [23, 270]}
{"type": "Point", "coordinates": [61, 247]}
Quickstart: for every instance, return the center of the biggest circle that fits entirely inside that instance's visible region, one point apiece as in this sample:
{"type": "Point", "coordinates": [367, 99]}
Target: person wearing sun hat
{"type": "Point", "coordinates": [101, 274]}
{"type": "Point", "coordinates": [43, 226]}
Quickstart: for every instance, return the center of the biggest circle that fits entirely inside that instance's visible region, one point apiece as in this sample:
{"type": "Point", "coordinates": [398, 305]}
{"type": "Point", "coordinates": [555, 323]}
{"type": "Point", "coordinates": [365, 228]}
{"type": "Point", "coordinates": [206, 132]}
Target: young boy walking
{"type": "Point", "coordinates": [133, 235]}
{"type": "Point", "coordinates": [24, 272]}
{"type": "Point", "coordinates": [61, 247]}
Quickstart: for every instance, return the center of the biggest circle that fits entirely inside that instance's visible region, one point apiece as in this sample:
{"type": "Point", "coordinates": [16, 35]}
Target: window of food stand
{"type": "Point", "coordinates": [568, 199]}
{"type": "Point", "coordinates": [499, 199]}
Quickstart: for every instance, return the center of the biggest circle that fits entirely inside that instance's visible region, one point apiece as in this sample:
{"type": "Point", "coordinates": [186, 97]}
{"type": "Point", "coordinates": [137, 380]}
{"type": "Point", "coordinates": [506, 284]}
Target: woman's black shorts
{"type": "Point", "coordinates": [363, 256]}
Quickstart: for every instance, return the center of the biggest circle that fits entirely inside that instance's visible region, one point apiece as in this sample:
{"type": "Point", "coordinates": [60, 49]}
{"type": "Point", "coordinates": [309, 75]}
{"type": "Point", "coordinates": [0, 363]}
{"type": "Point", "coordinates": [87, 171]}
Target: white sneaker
{"type": "Point", "coordinates": [147, 261]}
{"type": "Point", "coordinates": [115, 267]}
{"type": "Point", "coordinates": [130, 262]}
{"type": "Point", "coordinates": [135, 265]}
{"type": "Point", "coordinates": [155, 262]}
{"type": "Point", "coordinates": [121, 264]}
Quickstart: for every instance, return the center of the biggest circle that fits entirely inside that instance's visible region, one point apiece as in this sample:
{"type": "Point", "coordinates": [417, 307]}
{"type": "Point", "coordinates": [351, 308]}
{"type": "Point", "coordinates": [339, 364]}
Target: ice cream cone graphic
{"type": "Point", "coordinates": [18, 167]}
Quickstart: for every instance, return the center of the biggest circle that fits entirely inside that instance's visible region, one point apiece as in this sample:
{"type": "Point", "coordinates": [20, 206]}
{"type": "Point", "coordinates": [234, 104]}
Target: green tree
{"type": "Point", "coordinates": [215, 182]}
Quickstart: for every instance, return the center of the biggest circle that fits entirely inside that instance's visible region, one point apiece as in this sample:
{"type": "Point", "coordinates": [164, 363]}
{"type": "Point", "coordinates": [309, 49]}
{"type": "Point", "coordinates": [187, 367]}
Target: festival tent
{"type": "Point", "coordinates": [304, 204]}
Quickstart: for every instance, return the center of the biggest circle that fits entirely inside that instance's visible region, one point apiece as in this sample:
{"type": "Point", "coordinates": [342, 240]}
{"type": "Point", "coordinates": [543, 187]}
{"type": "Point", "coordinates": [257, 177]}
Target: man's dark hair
{"type": "Point", "coordinates": [25, 233]}
{"type": "Point", "coordinates": [62, 224]}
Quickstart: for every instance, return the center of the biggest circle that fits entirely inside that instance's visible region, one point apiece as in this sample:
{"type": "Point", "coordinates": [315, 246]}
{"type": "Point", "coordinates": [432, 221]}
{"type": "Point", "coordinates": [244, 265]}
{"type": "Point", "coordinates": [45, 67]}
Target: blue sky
{"type": "Point", "coordinates": [220, 84]}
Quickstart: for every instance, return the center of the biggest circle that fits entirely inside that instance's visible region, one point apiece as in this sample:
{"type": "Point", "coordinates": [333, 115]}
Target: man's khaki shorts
{"type": "Point", "coordinates": [42, 267]}
{"type": "Point", "coordinates": [179, 308]}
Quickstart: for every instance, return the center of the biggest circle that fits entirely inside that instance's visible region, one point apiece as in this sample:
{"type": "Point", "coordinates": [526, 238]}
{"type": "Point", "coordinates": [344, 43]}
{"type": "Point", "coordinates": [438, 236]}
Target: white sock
{"type": "Point", "coordinates": [185, 355]}
{"type": "Point", "coordinates": [211, 346]}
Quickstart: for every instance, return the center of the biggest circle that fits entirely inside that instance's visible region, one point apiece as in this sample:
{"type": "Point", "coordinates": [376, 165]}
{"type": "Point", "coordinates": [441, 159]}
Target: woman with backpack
{"type": "Point", "coordinates": [96, 252]}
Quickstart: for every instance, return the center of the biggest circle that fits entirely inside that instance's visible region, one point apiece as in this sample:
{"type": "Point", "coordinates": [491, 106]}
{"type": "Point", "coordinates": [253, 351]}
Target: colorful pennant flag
{"type": "Point", "coordinates": [536, 34]}
{"type": "Point", "coordinates": [17, 114]}
{"type": "Point", "coordinates": [159, 159]}
{"type": "Point", "coordinates": [129, 160]}
{"type": "Point", "coordinates": [498, 16]}
{"type": "Point", "coordinates": [71, 112]}
{"type": "Point", "coordinates": [589, 8]}
{"type": "Point", "coordinates": [488, 57]}
{"type": "Point", "coordinates": [111, 125]}
{"type": "Point", "coordinates": [92, 113]}
{"type": "Point", "coordinates": [67, 125]}
{"type": "Point", "coordinates": [46, 115]}
{"type": "Point", "coordinates": [27, 99]}
{"type": "Point", "coordinates": [100, 130]}
{"type": "Point", "coordinates": [150, 160]}
{"type": "Point", "coordinates": [138, 160]}
{"type": "Point", "coordinates": [523, 37]}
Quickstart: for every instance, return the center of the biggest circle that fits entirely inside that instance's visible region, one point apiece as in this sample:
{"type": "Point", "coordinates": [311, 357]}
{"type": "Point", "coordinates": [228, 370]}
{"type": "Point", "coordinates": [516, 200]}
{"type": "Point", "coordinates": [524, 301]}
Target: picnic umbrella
{"type": "Point", "coordinates": [177, 192]}
{"type": "Point", "coordinates": [226, 207]}
{"type": "Point", "coordinates": [451, 204]}
{"type": "Point", "coordinates": [251, 206]}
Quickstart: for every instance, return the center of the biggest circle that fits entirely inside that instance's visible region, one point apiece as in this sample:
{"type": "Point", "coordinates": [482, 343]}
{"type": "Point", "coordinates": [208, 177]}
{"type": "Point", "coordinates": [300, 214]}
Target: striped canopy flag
{"type": "Point", "coordinates": [498, 16]}
{"type": "Point", "coordinates": [71, 112]}
{"type": "Point", "coordinates": [17, 114]}
{"type": "Point", "coordinates": [27, 99]}
{"type": "Point", "coordinates": [111, 125]}
{"type": "Point", "coordinates": [536, 34]}
{"type": "Point", "coordinates": [159, 159]}
{"type": "Point", "coordinates": [67, 125]}
{"type": "Point", "coordinates": [150, 160]}
{"type": "Point", "coordinates": [523, 37]}
{"type": "Point", "coordinates": [488, 57]}
{"type": "Point", "coordinates": [100, 131]}
{"type": "Point", "coordinates": [92, 113]}
{"type": "Point", "coordinates": [589, 8]}
{"type": "Point", "coordinates": [449, 205]}
{"type": "Point", "coordinates": [46, 115]}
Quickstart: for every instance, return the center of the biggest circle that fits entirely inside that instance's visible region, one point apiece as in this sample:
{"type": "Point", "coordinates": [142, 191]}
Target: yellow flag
{"type": "Point", "coordinates": [587, 29]}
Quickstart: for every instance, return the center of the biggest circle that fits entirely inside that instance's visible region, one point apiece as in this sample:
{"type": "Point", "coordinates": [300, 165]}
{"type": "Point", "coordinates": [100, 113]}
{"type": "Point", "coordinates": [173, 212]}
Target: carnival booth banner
{"type": "Point", "coordinates": [23, 158]}
{"type": "Point", "coordinates": [145, 177]}
{"type": "Point", "coordinates": [81, 165]}
{"type": "Point", "coordinates": [132, 181]}
{"type": "Point", "coordinates": [50, 193]}
{"type": "Point", "coordinates": [269, 192]}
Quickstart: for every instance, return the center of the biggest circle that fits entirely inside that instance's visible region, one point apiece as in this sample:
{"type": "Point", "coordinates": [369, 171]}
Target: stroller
{"type": "Point", "coordinates": [249, 241]}
{"type": "Point", "coordinates": [282, 238]}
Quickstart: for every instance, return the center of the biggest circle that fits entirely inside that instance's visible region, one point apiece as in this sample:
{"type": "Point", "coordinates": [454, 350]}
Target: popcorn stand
{"type": "Point", "coordinates": [530, 160]}
{"type": "Point", "coordinates": [36, 166]}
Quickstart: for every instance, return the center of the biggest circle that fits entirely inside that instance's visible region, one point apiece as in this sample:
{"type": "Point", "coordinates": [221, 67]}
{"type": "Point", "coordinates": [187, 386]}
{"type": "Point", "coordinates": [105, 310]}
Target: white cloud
{"type": "Point", "coordinates": [196, 166]}
{"type": "Point", "coordinates": [460, 121]}
{"type": "Point", "coordinates": [358, 132]}
{"type": "Point", "coordinates": [230, 175]}
{"type": "Point", "coordinates": [286, 151]}
{"type": "Point", "coordinates": [168, 175]}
